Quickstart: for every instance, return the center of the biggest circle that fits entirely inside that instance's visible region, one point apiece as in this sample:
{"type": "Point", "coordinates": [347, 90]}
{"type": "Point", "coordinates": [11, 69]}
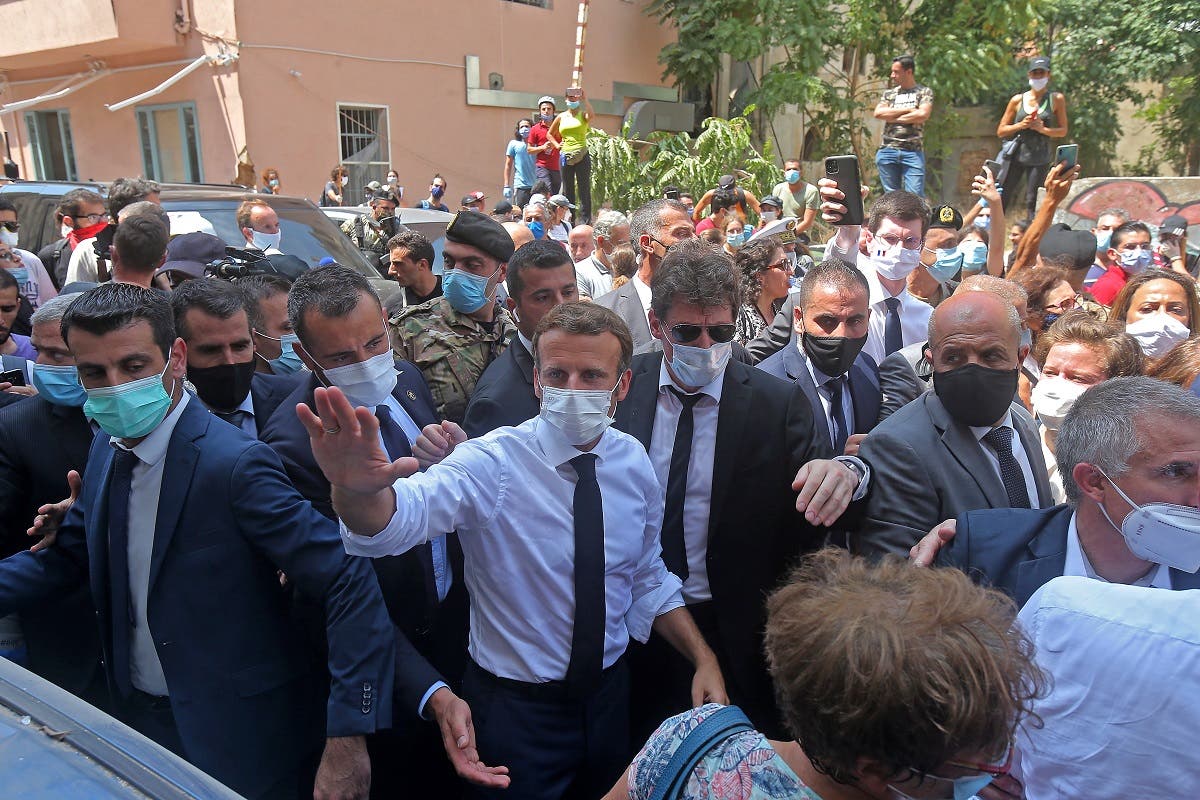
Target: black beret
{"type": "Point", "coordinates": [946, 217]}
{"type": "Point", "coordinates": [482, 232]}
{"type": "Point", "coordinates": [1078, 246]}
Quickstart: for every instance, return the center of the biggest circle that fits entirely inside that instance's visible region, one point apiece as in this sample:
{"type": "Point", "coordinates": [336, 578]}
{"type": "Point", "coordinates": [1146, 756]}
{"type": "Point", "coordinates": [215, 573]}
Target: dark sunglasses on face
{"type": "Point", "coordinates": [684, 332]}
{"type": "Point", "coordinates": [12, 226]}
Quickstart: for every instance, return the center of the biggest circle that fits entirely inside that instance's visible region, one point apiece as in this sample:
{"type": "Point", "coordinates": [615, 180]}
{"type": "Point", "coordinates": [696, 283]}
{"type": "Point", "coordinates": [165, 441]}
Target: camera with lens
{"type": "Point", "coordinates": [239, 263]}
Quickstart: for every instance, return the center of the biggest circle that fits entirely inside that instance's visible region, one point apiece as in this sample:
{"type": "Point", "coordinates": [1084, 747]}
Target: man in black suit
{"type": "Point", "coordinates": [965, 445]}
{"type": "Point", "coordinates": [653, 228]}
{"type": "Point", "coordinates": [540, 277]}
{"type": "Point", "coordinates": [726, 441]}
{"type": "Point", "coordinates": [826, 359]}
{"type": "Point", "coordinates": [343, 340]}
{"type": "Point", "coordinates": [1127, 443]}
{"type": "Point", "coordinates": [42, 439]}
{"type": "Point", "coordinates": [210, 317]}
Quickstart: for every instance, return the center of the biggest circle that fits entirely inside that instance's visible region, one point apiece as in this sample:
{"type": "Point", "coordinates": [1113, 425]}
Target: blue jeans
{"type": "Point", "coordinates": [901, 169]}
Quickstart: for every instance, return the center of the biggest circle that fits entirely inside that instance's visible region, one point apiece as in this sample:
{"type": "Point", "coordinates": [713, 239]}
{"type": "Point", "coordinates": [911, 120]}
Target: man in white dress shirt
{"type": "Point", "coordinates": [559, 521]}
{"type": "Point", "coordinates": [595, 272]}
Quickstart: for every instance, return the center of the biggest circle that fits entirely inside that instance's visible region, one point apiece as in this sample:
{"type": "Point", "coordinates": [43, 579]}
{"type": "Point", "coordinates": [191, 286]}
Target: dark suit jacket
{"type": "Point", "coordinates": [402, 577]}
{"type": "Point", "coordinates": [775, 336]}
{"type": "Point", "coordinates": [1019, 550]}
{"type": "Point", "coordinates": [504, 395]}
{"type": "Point", "coordinates": [926, 468]}
{"type": "Point", "coordinates": [764, 435]}
{"type": "Point", "coordinates": [228, 520]}
{"type": "Point", "coordinates": [267, 392]}
{"type": "Point", "coordinates": [791, 365]}
{"type": "Point", "coordinates": [904, 376]}
{"type": "Point", "coordinates": [628, 306]}
{"type": "Point", "coordinates": [39, 443]}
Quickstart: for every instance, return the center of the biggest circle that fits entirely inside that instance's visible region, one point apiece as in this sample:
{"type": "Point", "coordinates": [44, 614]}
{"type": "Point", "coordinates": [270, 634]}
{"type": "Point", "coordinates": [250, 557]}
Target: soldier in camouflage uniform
{"type": "Point", "coordinates": [370, 232]}
{"type": "Point", "coordinates": [453, 338]}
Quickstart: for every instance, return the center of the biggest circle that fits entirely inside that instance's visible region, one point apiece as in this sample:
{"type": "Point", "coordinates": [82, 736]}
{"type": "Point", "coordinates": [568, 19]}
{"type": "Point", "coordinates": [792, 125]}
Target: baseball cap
{"type": "Point", "coordinates": [1040, 62]}
{"type": "Point", "coordinates": [726, 182]}
{"type": "Point", "coordinates": [190, 253]}
{"type": "Point", "coordinates": [374, 186]}
{"type": "Point", "coordinates": [547, 99]}
{"type": "Point", "coordinates": [1174, 225]}
{"type": "Point", "coordinates": [561, 201]}
{"type": "Point", "coordinates": [1060, 240]}
{"type": "Point", "coordinates": [473, 197]}
{"type": "Point", "coordinates": [503, 207]}
{"type": "Point", "coordinates": [771, 200]}
{"type": "Point", "coordinates": [946, 217]}
{"type": "Point", "coordinates": [189, 222]}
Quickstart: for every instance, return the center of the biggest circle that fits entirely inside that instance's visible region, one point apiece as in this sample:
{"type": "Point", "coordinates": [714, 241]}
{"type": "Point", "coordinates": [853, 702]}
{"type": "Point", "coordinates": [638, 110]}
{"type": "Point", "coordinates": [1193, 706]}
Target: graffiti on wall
{"type": "Point", "coordinates": [1142, 198]}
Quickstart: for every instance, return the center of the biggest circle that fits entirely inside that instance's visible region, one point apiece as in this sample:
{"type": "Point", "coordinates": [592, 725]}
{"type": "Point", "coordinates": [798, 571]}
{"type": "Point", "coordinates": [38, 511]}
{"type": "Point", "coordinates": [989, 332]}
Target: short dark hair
{"type": "Point", "coordinates": [113, 306]}
{"type": "Point", "coordinates": [722, 199]}
{"type": "Point", "coordinates": [905, 61]}
{"type": "Point", "coordinates": [331, 291]}
{"type": "Point", "coordinates": [835, 272]}
{"type": "Point", "coordinates": [141, 243]}
{"type": "Point", "coordinates": [256, 288]}
{"type": "Point", "coordinates": [218, 299]}
{"type": "Point", "coordinates": [586, 319]}
{"type": "Point", "coordinates": [538, 254]}
{"type": "Point", "coordinates": [73, 201]}
{"type": "Point", "coordinates": [124, 191]}
{"type": "Point", "coordinates": [901, 205]}
{"type": "Point", "coordinates": [692, 272]}
{"type": "Point", "coordinates": [7, 205]}
{"type": "Point", "coordinates": [7, 281]}
{"type": "Point", "coordinates": [648, 218]}
{"type": "Point", "coordinates": [1120, 234]}
{"type": "Point", "coordinates": [417, 245]}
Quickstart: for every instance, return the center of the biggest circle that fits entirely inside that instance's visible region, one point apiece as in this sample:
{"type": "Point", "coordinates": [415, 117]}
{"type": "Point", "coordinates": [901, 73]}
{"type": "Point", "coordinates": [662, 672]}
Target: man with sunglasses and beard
{"type": "Point", "coordinates": [732, 446]}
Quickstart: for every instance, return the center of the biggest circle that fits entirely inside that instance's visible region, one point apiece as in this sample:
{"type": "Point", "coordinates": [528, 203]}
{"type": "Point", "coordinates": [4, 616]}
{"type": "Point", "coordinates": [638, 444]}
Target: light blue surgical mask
{"type": "Point", "coordinates": [736, 240]}
{"type": "Point", "coordinates": [466, 293]}
{"type": "Point", "coordinates": [974, 255]}
{"type": "Point", "coordinates": [1136, 260]}
{"type": "Point", "coordinates": [792, 176]}
{"type": "Point", "coordinates": [1103, 239]}
{"type": "Point", "coordinates": [536, 228]}
{"type": "Point", "coordinates": [964, 788]}
{"type": "Point", "coordinates": [981, 223]}
{"type": "Point", "coordinates": [131, 410]}
{"type": "Point", "coordinates": [699, 366]}
{"type": "Point", "coordinates": [572, 104]}
{"type": "Point", "coordinates": [59, 385]}
{"type": "Point", "coordinates": [949, 262]}
{"type": "Point", "coordinates": [288, 361]}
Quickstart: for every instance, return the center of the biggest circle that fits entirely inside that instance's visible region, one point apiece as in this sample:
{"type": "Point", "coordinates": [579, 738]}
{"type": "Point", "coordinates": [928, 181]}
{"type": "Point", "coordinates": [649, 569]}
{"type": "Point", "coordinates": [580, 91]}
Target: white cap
{"type": "Point", "coordinates": [189, 222]}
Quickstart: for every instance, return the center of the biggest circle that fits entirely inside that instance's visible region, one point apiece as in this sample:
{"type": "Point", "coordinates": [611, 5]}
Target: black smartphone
{"type": "Point", "coordinates": [1068, 153]}
{"type": "Point", "coordinates": [843, 170]}
{"type": "Point", "coordinates": [14, 376]}
{"type": "Point", "coordinates": [995, 167]}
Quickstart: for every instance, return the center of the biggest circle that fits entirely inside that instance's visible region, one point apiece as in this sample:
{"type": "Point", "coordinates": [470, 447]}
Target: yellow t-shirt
{"type": "Point", "coordinates": [573, 130]}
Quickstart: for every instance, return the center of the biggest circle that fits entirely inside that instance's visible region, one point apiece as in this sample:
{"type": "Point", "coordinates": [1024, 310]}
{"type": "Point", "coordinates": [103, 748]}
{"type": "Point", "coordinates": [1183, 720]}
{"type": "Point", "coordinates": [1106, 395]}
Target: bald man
{"type": "Point", "coordinates": [964, 445]}
{"type": "Point", "coordinates": [519, 232]}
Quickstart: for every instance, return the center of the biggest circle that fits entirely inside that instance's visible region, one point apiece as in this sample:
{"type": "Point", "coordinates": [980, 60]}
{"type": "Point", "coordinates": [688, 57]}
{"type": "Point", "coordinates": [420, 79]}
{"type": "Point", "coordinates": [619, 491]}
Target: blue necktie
{"type": "Point", "coordinates": [893, 336]}
{"type": "Point", "coordinates": [397, 446]}
{"type": "Point", "coordinates": [120, 605]}
{"type": "Point", "coordinates": [837, 416]}
{"type": "Point", "coordinates": [587, 632]}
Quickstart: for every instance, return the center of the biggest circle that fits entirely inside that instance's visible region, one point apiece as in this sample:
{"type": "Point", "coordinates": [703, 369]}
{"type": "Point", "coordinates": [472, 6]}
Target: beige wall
{"type": "Point", "coordinates": [289, 120]}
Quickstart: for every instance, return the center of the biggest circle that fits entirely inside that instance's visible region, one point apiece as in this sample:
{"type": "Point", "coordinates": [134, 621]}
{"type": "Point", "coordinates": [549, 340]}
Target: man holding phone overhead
{"type": "Point", "coordinates": [904, 109]}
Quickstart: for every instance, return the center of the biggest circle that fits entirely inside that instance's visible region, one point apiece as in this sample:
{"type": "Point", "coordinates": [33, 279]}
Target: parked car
{"type": "Point", "coordinates": [54, 745]}
{"type": "Point", "coordinates": [307, 233]}
{"type": "Point", "coordinates": [428, 222]}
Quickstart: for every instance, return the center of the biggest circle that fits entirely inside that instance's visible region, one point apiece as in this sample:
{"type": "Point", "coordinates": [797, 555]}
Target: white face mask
{"type": "Point", "coordinates": [892, 263]}
{"type": "Point", "coordinates": [769, 216]}
{"type": "Point", "coordinates": [263, 241]}
{"type": "Point", "coordinates": [9, 237]}
{"type": "Point", "coordinates": [1053, 398]}
{"type": "Point", "coordinates": [345, 179]}
{"type": "Point", "coordinates": [65, 230]}
{"type": "Point", "coordinates": [1158, 333]}
{"type": "Point", "coordinates": [1037, 84]}
{"type": "Point", "coordinates": [699, 366]}
{"type": "Point", "coordinates": [1163, 533]}
{"type": "Point", "coordinates": [368, 383]}
{"type": "Point", "coordinates": [581, 415]}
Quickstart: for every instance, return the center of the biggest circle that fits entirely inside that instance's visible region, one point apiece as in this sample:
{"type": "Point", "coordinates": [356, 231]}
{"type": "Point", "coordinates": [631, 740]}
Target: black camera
{"type": "Point", "coordinates": [239, 263]}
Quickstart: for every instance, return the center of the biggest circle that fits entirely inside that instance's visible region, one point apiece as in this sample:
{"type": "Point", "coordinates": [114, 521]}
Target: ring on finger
{"type": "Point", "coordinates": [333, 430]}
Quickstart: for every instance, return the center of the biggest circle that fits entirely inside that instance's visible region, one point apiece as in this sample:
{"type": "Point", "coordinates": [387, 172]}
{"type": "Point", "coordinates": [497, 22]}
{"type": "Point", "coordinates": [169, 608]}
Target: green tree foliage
{"type": "Point", "coordinates": [629, 174]}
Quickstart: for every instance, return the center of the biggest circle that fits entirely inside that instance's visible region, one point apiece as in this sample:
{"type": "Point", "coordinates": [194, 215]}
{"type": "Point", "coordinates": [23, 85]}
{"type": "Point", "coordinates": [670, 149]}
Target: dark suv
{"type": "Point", "coordinates": [307, 233]}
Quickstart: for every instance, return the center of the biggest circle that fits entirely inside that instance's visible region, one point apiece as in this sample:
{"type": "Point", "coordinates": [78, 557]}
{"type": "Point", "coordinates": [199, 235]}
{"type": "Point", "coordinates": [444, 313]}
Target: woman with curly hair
{"type": "Point", "coordinates": [895, 683]}
{"type": "Point", "coordinates": [765, 271]}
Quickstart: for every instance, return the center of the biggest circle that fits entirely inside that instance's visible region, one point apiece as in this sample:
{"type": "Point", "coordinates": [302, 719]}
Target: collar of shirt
{"type": "Point", "coordinates": [713, 389]}
{"type": "Point", "coordinates": [980, 431]}
{"type": "Point", "coordinates": [643, 292]}
{"type": "Point", "coordinates": [599, 266]}
{"type": "Point", "coordinates": [247, 404]}
{"type": "Point", "coordinates": [1077, 563]}
{"type": "Point", "coordinates": [153, 448]}
{"type": "Point", "coordinates": [558, 450]}
{"type": "Point", "coordinates": [525, 341]}
{"type": "Point", "coordinates": [879, 293]}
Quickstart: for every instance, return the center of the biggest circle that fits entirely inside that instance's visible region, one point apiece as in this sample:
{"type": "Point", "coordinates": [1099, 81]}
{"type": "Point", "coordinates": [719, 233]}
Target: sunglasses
{"type": "Point", "coordinates": [12, 226]}
{"type": "Point", "coordinates": [684, 332]}
{"type": "Point", "coordinates": [782, 263]}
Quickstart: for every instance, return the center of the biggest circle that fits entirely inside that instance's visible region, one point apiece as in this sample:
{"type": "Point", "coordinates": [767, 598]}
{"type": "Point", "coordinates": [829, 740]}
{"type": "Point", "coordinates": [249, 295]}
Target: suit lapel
{"type": "Point", "coordinates": [865, 395]}
{"type": "Point", "coordinates": [96, 525]}
{"type": "Point", "coordinates": [180, 464]}
{"type": "Point", "coordinates": [731, 423]}
{"type": "Point", "coordinates": [635, 415]}
{"type": "Point", "coordinates": [968, 452]}
{"type": "Point", "coordinates": [1037, 462]}
{"type": "Point", "coordinates": [417, 411]}
{"type": "Point", "coordinates": [797, 370]}
{"type": "Point", "coordinates": [635, 318]}
{"type": "Point", "coordinates": [1047, 556]}
{"type": "Point", "coordinates": [523, 359]}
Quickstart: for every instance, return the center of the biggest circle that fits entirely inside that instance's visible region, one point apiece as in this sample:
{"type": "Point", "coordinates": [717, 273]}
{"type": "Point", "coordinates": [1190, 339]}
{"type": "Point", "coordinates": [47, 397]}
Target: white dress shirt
{"type": "Point", "coordinates": [1119, 718]}
{"type": "Point", "coordinates": [145, 670]}
{"type": "Point", "coordinates": [1058, 492]}
{"type": "Point", "coordinates": [1077, 563]}
{"type": "Point", "coordinates": [594, 278]}
{"type": "Point", "coordinates": [698, 494]}
{"type": "Point", "coordinates": [509, 494]}
{"type": "Point", "coordinates": [819, 378]}
{"type": "Point", "coordinates": [643, 292]}
{"type": "Point", "coordinates": [1018, 449]}
{"type": "Point", "coordinates": [914, 313]}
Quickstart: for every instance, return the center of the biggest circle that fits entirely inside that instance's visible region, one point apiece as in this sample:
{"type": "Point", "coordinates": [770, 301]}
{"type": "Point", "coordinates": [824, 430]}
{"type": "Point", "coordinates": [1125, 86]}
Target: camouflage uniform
{"type": "Point", "coordinates": [451, 349]}
{"type": "Point", "coordinates": [368, 236]}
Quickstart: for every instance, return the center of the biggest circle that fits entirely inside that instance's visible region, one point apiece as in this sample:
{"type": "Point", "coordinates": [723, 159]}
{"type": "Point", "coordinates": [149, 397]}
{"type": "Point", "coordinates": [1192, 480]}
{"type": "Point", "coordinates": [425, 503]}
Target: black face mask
{"type": "Point", "coordinates": [976, 395]}
{"type": "Point", "coordinates": [833, 355]}
{"type": "Point", "coordinates": [224, 386]}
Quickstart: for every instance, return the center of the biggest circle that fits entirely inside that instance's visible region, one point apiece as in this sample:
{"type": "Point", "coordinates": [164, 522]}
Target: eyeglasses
{"type": "Point", "coordinates": [684, 332]}
{"type": "Point", "coordinates": [996, 770]}
{"type": "Point", "coordinates": [1067, 304]}
{"type": "Point", "coordinates": [911, 243]}
{"type": "Point", "coordinates": [782, 263]}
{"type": "Point", "coordinates": [10, 256]}
{"type": "Point", "coordinates": [11, 225]}
{"type": "Point", "coordinates": [92, 218]}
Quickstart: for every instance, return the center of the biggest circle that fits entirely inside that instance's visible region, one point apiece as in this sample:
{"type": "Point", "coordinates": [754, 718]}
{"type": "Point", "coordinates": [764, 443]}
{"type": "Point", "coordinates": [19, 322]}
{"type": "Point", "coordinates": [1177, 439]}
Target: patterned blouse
{"type": "Point", "coordinates": [743, 767]}
{"type": "Point", "coordinates": [750, 323]}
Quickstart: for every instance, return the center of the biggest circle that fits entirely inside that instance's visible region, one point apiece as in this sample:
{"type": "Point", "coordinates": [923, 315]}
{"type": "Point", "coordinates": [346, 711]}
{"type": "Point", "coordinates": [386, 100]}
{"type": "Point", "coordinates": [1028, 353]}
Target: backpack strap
{"type": "Point", "coordinates": [723, 724]}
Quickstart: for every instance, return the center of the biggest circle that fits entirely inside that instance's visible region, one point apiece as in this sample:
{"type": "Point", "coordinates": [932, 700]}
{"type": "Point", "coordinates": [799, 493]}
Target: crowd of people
{"type": "Point", "coordinates": [665, 503]}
